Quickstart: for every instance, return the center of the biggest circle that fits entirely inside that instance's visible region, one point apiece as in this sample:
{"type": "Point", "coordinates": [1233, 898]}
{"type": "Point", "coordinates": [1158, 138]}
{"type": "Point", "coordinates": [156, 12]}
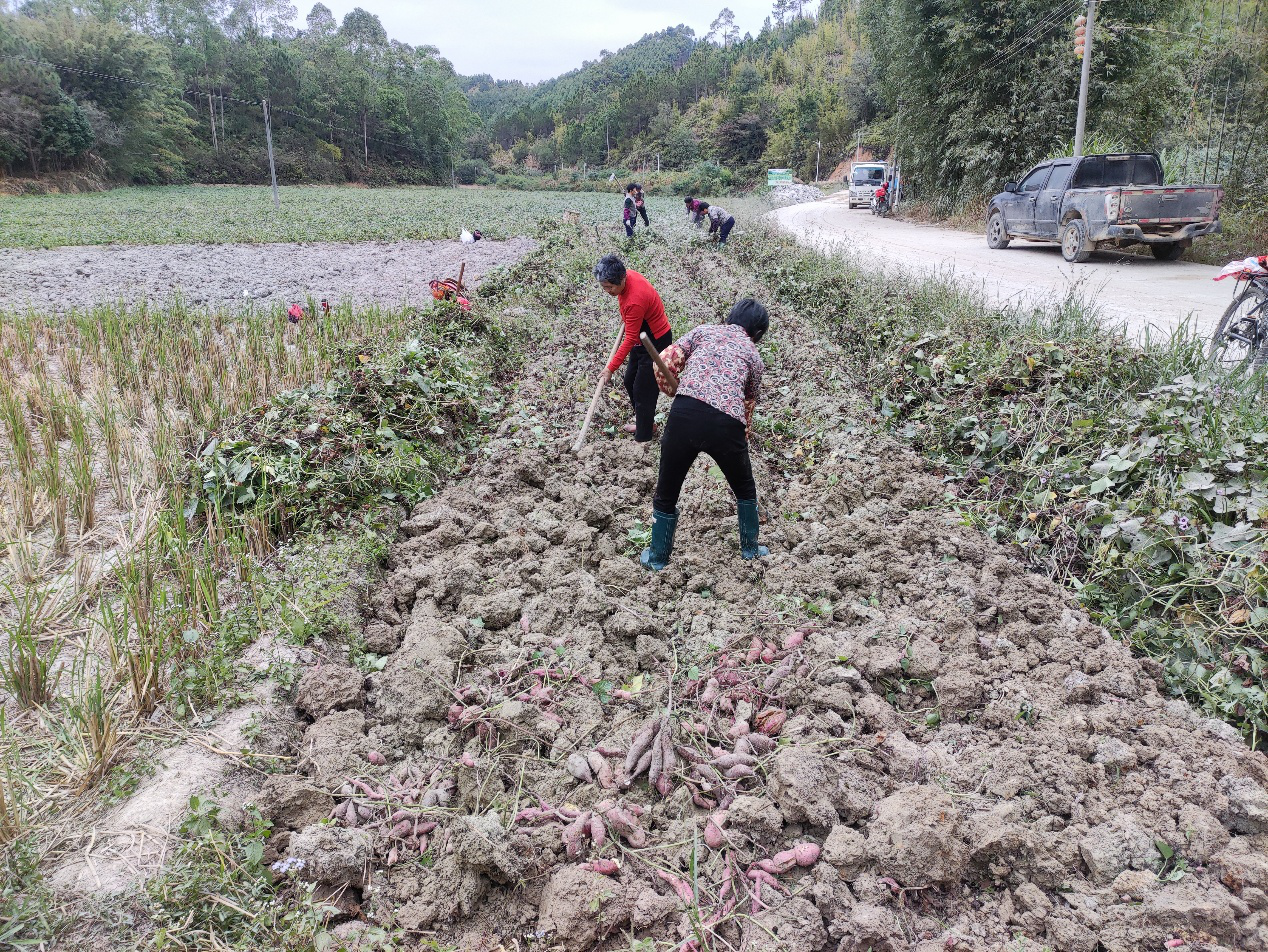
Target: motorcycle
{"type": "Point", "coordinates": [881, 206]}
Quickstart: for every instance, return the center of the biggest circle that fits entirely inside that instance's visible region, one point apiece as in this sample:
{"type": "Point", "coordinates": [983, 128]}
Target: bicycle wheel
{"type": "Point", "coordinates": [1236, 340]}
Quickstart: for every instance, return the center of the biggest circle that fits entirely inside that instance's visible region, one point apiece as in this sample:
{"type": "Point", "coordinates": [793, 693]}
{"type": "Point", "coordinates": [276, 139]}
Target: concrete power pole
{"type": "Point", "coordinates": [818, 149]}
{"type": "Point", "coordinates": [1086, 44]}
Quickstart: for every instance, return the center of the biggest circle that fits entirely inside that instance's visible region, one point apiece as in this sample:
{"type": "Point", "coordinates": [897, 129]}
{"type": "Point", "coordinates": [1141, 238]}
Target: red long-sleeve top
{"type": "Point", "coordinates": [640, 304]}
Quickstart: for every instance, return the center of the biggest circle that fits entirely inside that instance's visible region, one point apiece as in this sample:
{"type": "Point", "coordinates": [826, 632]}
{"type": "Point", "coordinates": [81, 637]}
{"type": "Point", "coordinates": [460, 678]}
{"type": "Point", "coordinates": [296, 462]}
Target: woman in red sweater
{"type": "Point", "coordinates": [642, 311]}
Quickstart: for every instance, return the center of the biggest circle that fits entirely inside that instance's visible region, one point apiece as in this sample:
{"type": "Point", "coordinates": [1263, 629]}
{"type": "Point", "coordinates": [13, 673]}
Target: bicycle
{"type": "Point", "coordinates": [1241, 337]}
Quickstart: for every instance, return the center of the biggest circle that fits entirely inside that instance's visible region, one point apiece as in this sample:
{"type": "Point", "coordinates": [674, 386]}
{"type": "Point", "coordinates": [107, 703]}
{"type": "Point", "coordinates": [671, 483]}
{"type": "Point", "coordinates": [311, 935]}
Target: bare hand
{"type": "Point", "coordinates": [605, 377]}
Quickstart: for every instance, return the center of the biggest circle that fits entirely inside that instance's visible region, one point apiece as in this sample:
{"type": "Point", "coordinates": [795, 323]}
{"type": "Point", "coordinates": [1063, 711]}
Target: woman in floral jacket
{"type": "Point", "coordinates": [719, 379]}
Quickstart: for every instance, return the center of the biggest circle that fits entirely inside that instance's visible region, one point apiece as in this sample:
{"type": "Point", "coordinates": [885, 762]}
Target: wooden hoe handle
{"type": "Point", "coordinates": [598, 392]}
{"type": "Point", "coordinates": [658, 360]}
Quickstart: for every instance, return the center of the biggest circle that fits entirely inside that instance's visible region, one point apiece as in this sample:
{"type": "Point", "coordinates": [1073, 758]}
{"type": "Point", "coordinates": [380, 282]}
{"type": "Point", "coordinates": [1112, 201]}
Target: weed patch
{"type": "Point", "coordinates": [1135, 475]}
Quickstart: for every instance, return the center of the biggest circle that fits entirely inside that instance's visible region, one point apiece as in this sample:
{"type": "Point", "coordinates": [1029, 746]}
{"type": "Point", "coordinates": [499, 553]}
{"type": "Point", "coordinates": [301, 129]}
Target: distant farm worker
{"type": "Point", "coordinates": [629, 218]}
{"type": "Point", "coordinates": [720, 221]}
{"type": "Point", "coordinates": [719, 379]}
{"type": "Point", "coordinates": [635, 191]}
{"type": "Point", "coordinates": [642, 312]}
{"type": "Point", "coordinates": [695, 210]}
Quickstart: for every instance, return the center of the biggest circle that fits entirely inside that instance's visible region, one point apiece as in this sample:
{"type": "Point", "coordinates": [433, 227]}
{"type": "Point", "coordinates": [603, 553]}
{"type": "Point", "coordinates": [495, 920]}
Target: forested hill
{"type": "Point", "coordinates": [152, 91]}
{"type": "Point", "coordinates": [964, 93]}
{"type": "Point", "coordinates": [655, 53]}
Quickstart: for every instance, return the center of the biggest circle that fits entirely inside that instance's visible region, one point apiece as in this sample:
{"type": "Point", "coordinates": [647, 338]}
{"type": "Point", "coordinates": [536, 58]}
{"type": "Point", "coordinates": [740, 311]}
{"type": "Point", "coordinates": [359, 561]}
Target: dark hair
{"type": "Point", "coordinates": [630, 187]}
{"type": "Point", "coordinates": [751, 316]}
{"type": "Point", "coordinates": [610, 270]}
{"type": "Point", "coordinates": [703, 205]}
{"type": "Point", "coordinates": [688, 200]}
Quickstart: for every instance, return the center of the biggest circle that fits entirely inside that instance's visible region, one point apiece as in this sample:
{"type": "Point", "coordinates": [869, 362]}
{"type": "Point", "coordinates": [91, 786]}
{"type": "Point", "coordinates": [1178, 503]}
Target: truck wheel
{"type": "Point", "coordinates": [1167, 251]}
{"type": "Point", "coordinates": [1074, 244]}
{"type": "Point", "coordinates": [996, 234]}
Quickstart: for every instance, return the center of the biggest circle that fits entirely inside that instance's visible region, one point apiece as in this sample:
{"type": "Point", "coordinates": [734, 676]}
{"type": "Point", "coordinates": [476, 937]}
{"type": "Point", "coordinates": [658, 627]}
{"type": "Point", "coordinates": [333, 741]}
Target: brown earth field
{"type": "Point", "coordinates": [887, 735]}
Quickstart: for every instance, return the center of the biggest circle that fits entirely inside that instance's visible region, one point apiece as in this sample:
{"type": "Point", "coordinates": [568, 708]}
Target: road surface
{"type": "Point", "coordinates": [1139, 292]}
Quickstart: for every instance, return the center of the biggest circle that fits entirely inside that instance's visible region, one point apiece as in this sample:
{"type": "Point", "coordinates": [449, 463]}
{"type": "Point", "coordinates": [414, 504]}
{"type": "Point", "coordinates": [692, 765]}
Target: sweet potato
{"type": "Point", "coordinates": [713, 835]}
{"type": "Point", "coordinates": [727, 761]}
{"type": "Point", "coordinates": [759, 744]}
{"type": "Point", "coordinates": [376, 758]}
{"type": "Point", "coordinates": [639, 745]}
{"type": "Point", "coordinates": [680, 886]}
{"type": "Point", "coordinates": [781, 862]}
{"type": "Point", "coordinates": [770, 721]}
{"type": "Point", "coordinates": [794, 640]}
{"type": "Point", "coordinates": [578, 765]}
{"type": "Point", "coordinates": [780, 674]}
{"type": "Point", "coordinates": [598, 831]}
{"type": "Point", "coordinates": [605, 867]}
{"type": "Point", "coordinates": [658, 760]}
{"type": "Point", "coordinates": [807, 853]}
{"type": "Point", "coordinates": [738, 772]}
{"type": "Point", "coordinates": [710, 692]}
{"type": "Point", "coordinates": [573, 834]}
{"type": "Point", "coordinates": [754, 650]}
{"type": "Point", "coordinates": [602, 770]}
{"type": "Point", "coordinates": [626, 825]}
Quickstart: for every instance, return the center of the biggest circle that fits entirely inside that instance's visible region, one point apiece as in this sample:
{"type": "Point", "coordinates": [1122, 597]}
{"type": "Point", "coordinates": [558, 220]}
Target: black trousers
{"type": "Point", "coordinates": [640, 384]}
{"type": "Point", "coordinates": [725, 229]}
{"type": "Point", "coordinates": [642, 210]}
{"type": "Point", "coordinates": [693, 428]}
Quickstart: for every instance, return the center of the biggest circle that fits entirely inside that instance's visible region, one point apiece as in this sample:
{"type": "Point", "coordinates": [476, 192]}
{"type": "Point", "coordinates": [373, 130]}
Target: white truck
{"type": "Point", "coordinates": [865, 179]}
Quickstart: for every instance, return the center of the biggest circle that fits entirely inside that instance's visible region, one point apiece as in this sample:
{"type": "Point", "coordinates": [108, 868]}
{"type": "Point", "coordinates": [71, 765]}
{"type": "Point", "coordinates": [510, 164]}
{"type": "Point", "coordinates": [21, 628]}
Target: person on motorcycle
{"type": "Point", "coordinates": [881, 197]}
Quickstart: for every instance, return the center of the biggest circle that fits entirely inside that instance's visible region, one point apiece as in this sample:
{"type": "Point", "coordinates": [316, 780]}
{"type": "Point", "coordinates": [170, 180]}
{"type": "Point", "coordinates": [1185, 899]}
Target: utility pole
{"type": "Point", "coordinates": [1083, 44]}
{"type": "Point", "coordinates": [268, 141]}
{"type": "Point", "coordinates": [818, 149]}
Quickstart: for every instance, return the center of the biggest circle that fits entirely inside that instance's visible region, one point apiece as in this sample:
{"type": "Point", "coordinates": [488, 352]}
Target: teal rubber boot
{"type": "Point", "coordinates": [656, 556]}
{"type": "Point", "coordinates": [747, 511]}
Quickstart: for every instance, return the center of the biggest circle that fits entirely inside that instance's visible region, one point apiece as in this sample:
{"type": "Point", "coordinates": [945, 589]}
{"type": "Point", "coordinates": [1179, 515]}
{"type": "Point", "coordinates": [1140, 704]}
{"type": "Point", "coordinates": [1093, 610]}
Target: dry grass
{"type": "Point", "coordinates": [104, 583]}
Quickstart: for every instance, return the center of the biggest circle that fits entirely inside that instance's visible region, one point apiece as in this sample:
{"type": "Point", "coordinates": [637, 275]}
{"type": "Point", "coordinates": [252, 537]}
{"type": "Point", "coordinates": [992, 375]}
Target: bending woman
{"type": "Point", "coordinates": [641, 310]}
{"type": "Point", "coordinates": [719, 378]}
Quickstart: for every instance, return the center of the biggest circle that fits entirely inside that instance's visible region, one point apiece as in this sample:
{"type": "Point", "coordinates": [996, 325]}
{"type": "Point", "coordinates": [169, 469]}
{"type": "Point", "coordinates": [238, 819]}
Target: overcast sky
{"type": "Point", "coordinates": [532, 40]}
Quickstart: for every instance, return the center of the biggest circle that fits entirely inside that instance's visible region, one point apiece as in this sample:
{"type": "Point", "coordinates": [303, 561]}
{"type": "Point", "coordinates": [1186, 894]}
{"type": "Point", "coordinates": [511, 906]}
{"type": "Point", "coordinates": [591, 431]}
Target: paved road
{"type": "Point", "coordinates": [1139, 292]}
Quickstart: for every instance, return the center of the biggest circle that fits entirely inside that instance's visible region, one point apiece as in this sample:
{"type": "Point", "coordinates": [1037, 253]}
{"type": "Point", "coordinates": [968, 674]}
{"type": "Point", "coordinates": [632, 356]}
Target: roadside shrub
{"type": "Point", "coordinates": [1136, 475]}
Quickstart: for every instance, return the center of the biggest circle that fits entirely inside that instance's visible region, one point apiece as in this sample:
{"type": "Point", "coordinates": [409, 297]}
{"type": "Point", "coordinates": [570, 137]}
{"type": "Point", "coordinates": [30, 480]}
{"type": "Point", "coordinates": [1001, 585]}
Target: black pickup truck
{"type": "Point", "coordinates": [1103, 201]}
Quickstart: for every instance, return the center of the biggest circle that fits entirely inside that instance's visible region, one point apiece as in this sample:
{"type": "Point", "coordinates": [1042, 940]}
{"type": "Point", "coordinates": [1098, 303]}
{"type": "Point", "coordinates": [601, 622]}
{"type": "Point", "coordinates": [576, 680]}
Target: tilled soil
{"type": "Point", "coordinates": [389, 274]}
{"type": "Point", "coordinates": [887, 735]}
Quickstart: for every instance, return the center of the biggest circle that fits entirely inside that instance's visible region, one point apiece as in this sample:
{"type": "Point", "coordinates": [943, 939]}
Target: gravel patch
{"type": "Point", "coordinates": [384, 273]}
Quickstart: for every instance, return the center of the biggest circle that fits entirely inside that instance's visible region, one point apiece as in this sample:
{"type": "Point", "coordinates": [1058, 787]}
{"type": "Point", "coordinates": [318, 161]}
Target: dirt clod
{"type": "Point", "coordinates": [331, 856]}
{"type": "Point", "coordinates": [578, 908]}
{"type": "Point", "coordinates": [328, 688]}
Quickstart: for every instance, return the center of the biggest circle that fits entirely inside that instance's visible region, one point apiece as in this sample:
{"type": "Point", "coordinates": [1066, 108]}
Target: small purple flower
{"type": "Point", "coordinates": [287, 865]}
{"type": "Point", "coordinates": [1182, 523]}
{"type": "Point", "coordinates": [1043, 478]}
